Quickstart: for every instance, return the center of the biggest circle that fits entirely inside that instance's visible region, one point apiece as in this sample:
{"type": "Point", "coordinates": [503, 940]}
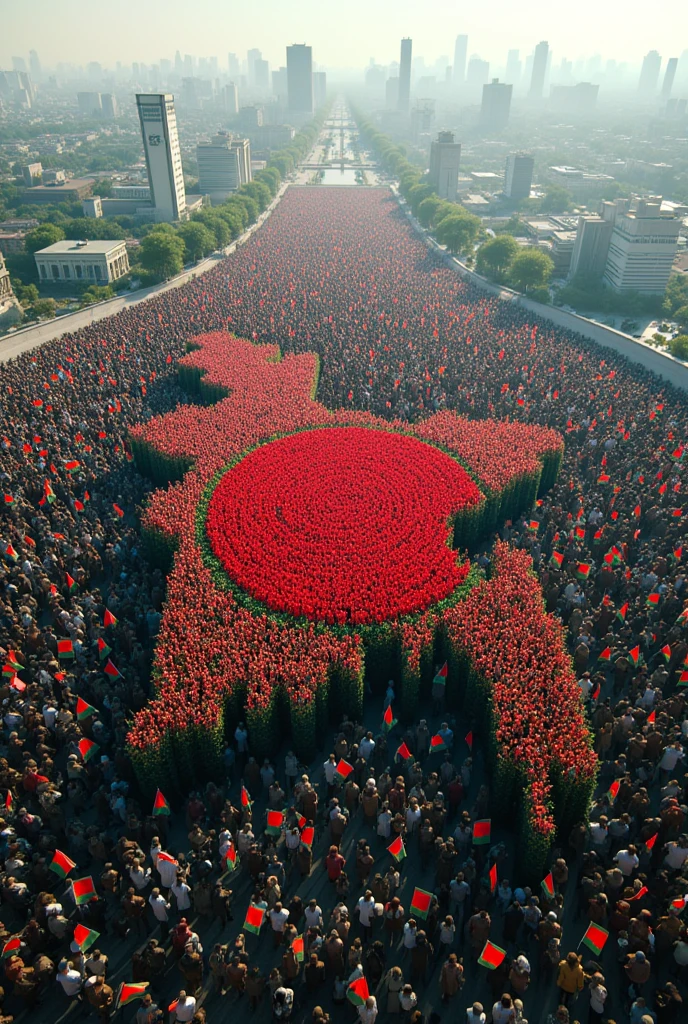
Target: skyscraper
{"type": "Point", "coordinates": [224, 164]}
{"type": "Point", "coordinates": [537, 81]}
{"type": "Point", "coordinates": [163, 156]}
{"type": "Point", "coordinates": [251, 57]}
{"type": "Point", "coordinates": [445, 156]}
{"type": "Point", "coordinates": [300, 78]}
{"type": "Point", "coordinates": [404, 95]}
{"type": "Point", "coordinates": [649, 73]}
{"type": "Point", "coordinates": [35, 65]}
{"type": "Point", "coordinates": [319, 88]}
{"type": "Point", "coordinates": [460, 54]}
{"type": "Point", "coordinates": [496, 105]}
{"type": "Point", "coordinates": [261, 75]}
{"type": "Point", "coordinates": [518, 176]}
{"type": "Point", "coordinates": [513, 67]}
{"type": "Point", "coordinates": [669, 76]}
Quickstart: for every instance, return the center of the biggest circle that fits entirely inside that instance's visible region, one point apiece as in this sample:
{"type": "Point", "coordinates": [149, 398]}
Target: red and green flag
{"type": "Point", "coordinates": [72, 465]}
{"type": "Point", "coordinates": [160, 804]}
{"type": "Point", "coordinates": [344, 769]}
{"type": "Point", "coordinates": [547, 884]}
{"type": "Point", "coordinates": [653, 600]}
{"type": "Point", "coordinates": [103, 649]}
{"type": "Point", "coordinates": [275, 821]}
{"type": "Point", "coordinates": [649, 843]}
{"type": "Point", "coordinates": [231, 858]}
{"type": "Point", "coordinates": [613, 790]}
{"type": "Point", "coordinates": [635, 656]}
{"type": "Point", "coordinates": [109, 619]}
{"type": "Point", "coordinates": [403, 751]}
{"type": "Point", "coordinates": [12, 664]}
{"type": "Point", "coordinates": [358, 992]}
{"type": "Point", "coordinates": [298, 948]}
{"type": "Point", "coordinates": [111, 670]}
{"type": "Point", "coordinates": [492, 956]}
{"type": "Point", "coordinates": [595, 938]}
{"type": "Point", "coordinates": [84, 937]}
{"type": "Point", "coordinates": [72, 585]}
{"type": "Point", "coordinates": [651, 718]}
{"type": "Point", "coordinates": [605, 655]}
{"type": "Point", "coordinates": [128, 991]}
{"type": "Point", "coordinates": [639, 895]}
{"type": "Point", "coordinates": [622, 612]}
{"type": "Point", "coordinates": [61, 864]}
{"type": "Point", "coordinates": [83, 890]}
{"type": "Point", "coordinates": [666, 652]}
{"type": "Point", "coordinates": [11, 947]}
{"type": "Point", "coordinates": [308, 836]}
{"type": "Point", "coordinates": [583, 570]}
{"type": "Point", "coordinates": [437, 744]}
{"type": "Point", "coordinates": [420, 904]}
{"type": "Point", "coordinates": [11, 553]}
{"type": "Point", "coordinates": [493, 878]}
{"type": "Point", "coordinates": [87, 748]}
{"type": "Point", "coordinates": [388, 719]}
{"type": "Point", "coordinates": [83, 710]}
{"type": "Point", "coordinates": [397, 849]}
{"type": "Point", "coordinates": [683, 678]}
{"type": "Point", "coordinates": [557, 559]}
{"type": "Point", "coordinates": [48, 493]}
{"type": "Point", "coordinates": [65, 649]}
{"type": "Point", "coordinates": [441, 676]}
{"type": "Point", "coordinates": [481, 831]}
{"type": "Point", "coordinates": [245, 799]}
{"type": "Point", "coordinates": [254, 919]}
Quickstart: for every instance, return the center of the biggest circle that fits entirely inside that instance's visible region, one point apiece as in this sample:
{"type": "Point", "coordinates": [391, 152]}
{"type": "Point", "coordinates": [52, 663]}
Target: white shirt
{"type": "Point", "coordinates": [167, 870]}
{"type": "Point", "coordinates": [278, 919]}
{"type": "Point", "coordinates": [598, 997]}
{"type": "Point", "coordinates": [330, 768]}
{"type": "Point", "coordinates": [676, 856]}
{"type": "Point", "coordinates": [366, 748]}
{"type": "Point", "coordinates": [185, 1010]}
{"type": "Point", "coordinates": [313, 916]}
{"type": "Point", "coordinates": [409, 936]}
{"type": "Point", "coordinates": [472, 1018]}
{"type": "Point", "coordinates": [366, 911]}
{"type": "Point", "coordinates": [139, 878]}
{"type": "Point", "coordinates": [367, 1014]}
{"type": "Point", "coordinates": [670, 758]}
{"type": "Point", "coordinates": [628, 862]}
{"type": "Point", "coordinates": [70, 981]}
{"type": "Point", "coordinates": [181, 894]}
{"type": "Point", "coordinates": [160, 906]}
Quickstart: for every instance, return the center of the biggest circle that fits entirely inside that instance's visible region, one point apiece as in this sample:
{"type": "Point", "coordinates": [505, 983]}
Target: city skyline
{"type": "Point", "coordinates": [367, 31]}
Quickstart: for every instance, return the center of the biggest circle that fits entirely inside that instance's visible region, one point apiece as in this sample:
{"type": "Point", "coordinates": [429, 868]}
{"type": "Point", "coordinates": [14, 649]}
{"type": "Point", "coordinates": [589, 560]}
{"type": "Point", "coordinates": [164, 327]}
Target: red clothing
{"type": "Point", "coordinates": [334, 862]}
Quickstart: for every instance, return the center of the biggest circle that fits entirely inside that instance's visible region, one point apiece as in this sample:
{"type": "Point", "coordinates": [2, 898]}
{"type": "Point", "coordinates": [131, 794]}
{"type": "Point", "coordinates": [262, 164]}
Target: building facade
{"type": "Point", "coordinates": [224, 164]}
{"type": "Point", "coordinates": [589, 256]}
{"type": "Point", "coordinates": [537, 81]}
{"type": "Point", "coordinates": [300, 79]}
{"type": "Point", "coordinates": [163, 155]}
{"type": "Point", "coordinates": [496, 105]}
{"type": "Point", "coordinates": [460, 55]}
{"type": "Point", "coordinates": [445, 157]}
{"type": "Point", "coordinates": [518, 176]}
{"type": "Point", "coordinates": [404, 93]}
{"type": "Point", "coordinates": [69, 261]}
{"type": "Point", "coordinates": [642, 248]}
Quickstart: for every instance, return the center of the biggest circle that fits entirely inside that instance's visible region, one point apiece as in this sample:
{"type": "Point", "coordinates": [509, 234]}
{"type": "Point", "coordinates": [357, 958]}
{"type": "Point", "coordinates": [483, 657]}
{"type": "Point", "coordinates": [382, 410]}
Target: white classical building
{"type": "Point", "coordinates": [99, 262]}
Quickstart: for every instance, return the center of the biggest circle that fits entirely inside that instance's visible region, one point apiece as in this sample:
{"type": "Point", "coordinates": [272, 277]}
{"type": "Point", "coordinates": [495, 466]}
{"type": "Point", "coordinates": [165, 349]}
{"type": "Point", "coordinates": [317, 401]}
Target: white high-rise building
{"type": "Point", "coordinates": [163, 156]}
{"type": "Point", "coordinates": [445, 157]}
{"type": "Point", "coordinates": [642, 248]}
{"type": "Point", "coordinates": [224, 164]}
{"type": "Point", "coordinates": [300, 79]}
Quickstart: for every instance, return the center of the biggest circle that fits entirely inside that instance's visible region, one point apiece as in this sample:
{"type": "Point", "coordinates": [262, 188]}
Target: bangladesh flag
{"type": "Point", "coordinates": [595, 938]}
{"type": "Point", "coordinates": [109, 619]}
{"type": "Point", "coordinates": [83, 710]}
{"type": "Point", "coordinates": [65, 649]}
{"type": "Point", "coordinates": [231, 859]}
{"type": "Point", "coordinates": [72, 585]}
{"type": "Point", "coordinates": [666, 652]}
{"type": "Point", "coordinates": [84, 937]}
{"type": "Point", "coordinates": [307, 836]}
{"type": "Point", "coordinates": [403, 751]}
{"type": "Point", "coordinates": [11, 947]}
{"type": "Point", "coordinates": [548, 886]}
{"type": "Point", "coordinates": [87, 748]}
{"type": "Point", "coordinates": [275, 821]}
{"type": "Point", "coordinates": [493, 878]}
{"type": "Point", "coordinates": [437, 744]}
{"type": "Point", "coordinates": [635, 656]}
{"type": "Point", "coordinates": [111, 670]}
{"type": "Point", "coordinates": [344, 769]}
{"type": "Point", "coordinates": [48, 492]}
{"type": "Point", "coordinates": [160, 804]}
{"type": "Point", "coordinates": [388, 719]}
{"type": "Point", "coordinates": [420, 904]}
{"type": "Point", "coordinates": [481, 832]}
{"type": "Point", "coordinates": [245, 798]}
{"type": "Point", "coordinates": [605, 655]}
{"type": "Point", "coordinates": [11, 553]}
{"type": "Point", "coordinates": [651, 841]}
{"type": "Point", "coordinates": [254, 919]}
{"type": "Point", "coordinates": [298, 948]}
{"type": "Point", "coordinates": [72, 465]}
{"type": "Point", "coordinates": [357, 992]}
{"type": "Point", "coordinates": [441, 677]}
{"type": "Point", "coordinates": [103, 649]}
{"type": "Point", "coordinates": [128, 991]}
{"type": "Point", "coordinates": [622, 612]}
{"type": "Point", "coordinates": [583, 570]}
{"type": "Point", "coordinates": [613, 790]}
{"type": "Point", "coordinates": [492, 956]}
{"type": "Point", "coordinates": [653, 600]}
{"type": "Point", "coordinates": [557, 559]}
{"type": "Point", "coordinates": [83, 890]}
{"type": "Point", "coordinates": [61, 864]}
{"type": "Point", "coordinates": [397, 849]}
{"type": "Point", "coordinates": [12, 664]}
{"type": "Point", "coordinates": [683, 679]}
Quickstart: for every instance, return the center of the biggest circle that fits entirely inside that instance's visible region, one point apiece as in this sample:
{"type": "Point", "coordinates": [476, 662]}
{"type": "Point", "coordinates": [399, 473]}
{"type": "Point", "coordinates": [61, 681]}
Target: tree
{"type": "Point", "coordinates": [495, 256]}
{"type": "Point", "coordinates": [96, 293]}
{"type": "Point", "coordinates": [199, 241]}
{"type": "Point", "coordinates": [676, 294]}
{"type": "Point", "coordinates": [458, 231]}
{"type": "Point", "coordinates": [681, 317]}
{"type": "Point", "coordinates": [427, 210]}
{"type": "Point", "coordinates": [162, 253]}
{"type": "Point", "coordinates": [416, 195]}
{"type": "Point", "coordinates": [43, 236]}
{"type": "Point", "coordinates": [556, 199]}
{"type": "Point", "coordinates": [259, 191]}
{"type": "Point", "coordinates": [220, 228]}
{"type": "Point", "coordinates": [250, 205]}
{"type": "Point", "coordinates": [678, 346]}
{"type": "Point", "coordinates": [27, 294]}
{"type": "Point", "coordinates": [530, 269]}
{"type": "Point", "coordinates": [45, 308]}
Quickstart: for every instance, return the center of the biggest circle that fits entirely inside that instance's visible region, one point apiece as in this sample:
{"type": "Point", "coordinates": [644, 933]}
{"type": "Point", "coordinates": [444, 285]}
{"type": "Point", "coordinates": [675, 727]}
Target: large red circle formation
{"type": "Point", "coordinates": [343, 525]}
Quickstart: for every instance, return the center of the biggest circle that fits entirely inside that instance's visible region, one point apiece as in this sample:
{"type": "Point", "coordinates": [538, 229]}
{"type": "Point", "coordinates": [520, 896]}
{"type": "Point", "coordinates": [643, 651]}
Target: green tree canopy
{"type": "Point", "coordinates": [162, 254]}
{"type": "Point", "coordinates": [556, 200]}
{"type": "Point", "coordinates": [678, 346]}
{"type": "Point", "coordinates": [495, 256]}
{"type": "Point", "coordinates": [416, 195]}
{"type": "Point", "coordinates": [681, 317]}
{"type": "Point", "coordinates": [458, 231]}
{"type": "Point", "coordinates": [531, 268]}
{"type": "Point", "coordinates": [258, 191]}
{"type": "Point", "coordinates": [42, 236]}
{"type": "Point", "coordinates": [427, 210]}
{"type": "Point", "coordinates": [198, 240]}
{"type": "Point", "coordinates": [676, 294]}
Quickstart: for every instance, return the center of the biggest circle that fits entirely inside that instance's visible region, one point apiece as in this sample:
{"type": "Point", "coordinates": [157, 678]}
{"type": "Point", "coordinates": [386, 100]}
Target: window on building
{"type": "Point", "coordinates": [99, 272]}
{"type": "Point", "coordinates": [90, 270]}
{"type": "Point", "coordinates": [79, 271]}
{"type": "Point", "coordinates": [65, 271]}
{"type": "Point", "coordinates": [44, 272]}
{"type": "Point", "coordinates": [56, 271]}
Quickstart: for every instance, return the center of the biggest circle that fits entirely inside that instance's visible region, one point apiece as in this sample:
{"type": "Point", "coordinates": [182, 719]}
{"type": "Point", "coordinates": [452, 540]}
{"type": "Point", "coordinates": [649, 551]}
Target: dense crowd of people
{"type": "Point", "coordinates": [400, 334]}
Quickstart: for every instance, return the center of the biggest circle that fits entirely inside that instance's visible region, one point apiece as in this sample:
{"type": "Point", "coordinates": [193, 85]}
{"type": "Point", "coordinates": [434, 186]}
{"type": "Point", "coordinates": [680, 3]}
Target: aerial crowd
{"type": "Point", "coordinates": [205, 901]}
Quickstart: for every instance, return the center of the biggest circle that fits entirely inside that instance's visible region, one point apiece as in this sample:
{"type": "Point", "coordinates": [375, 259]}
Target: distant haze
{"type": "Point", "coordinates": [343, 34]}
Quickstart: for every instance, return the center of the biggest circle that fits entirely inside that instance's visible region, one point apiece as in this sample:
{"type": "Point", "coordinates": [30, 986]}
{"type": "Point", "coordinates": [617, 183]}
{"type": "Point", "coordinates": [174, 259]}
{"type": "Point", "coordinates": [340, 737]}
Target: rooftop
{"type": "Point", "coordinates": [73, 245]}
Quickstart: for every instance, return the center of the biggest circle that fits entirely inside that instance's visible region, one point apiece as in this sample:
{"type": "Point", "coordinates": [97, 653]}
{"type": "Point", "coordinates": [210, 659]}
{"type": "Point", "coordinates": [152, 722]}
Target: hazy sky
{"type": "Point", "coordinates": [343, 34]}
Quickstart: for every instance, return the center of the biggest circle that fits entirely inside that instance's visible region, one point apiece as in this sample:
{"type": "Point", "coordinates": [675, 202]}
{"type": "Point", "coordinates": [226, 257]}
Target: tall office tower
{"type": "Point", "coordinates": [518, 175]}
{"type": "Point", "coordinates": [649, 73]}
{"type": "Point", "coordinates": [178, 63]}
{"type": "Point", "coordinates": [230, 99]}
{"type": "Point", "coordinates": [513, 67]}
{"type": "Point", "coordinates": [669, 76]}
{"type": "Point", "coordinates": [591, 246]}
{"type": "Point", "coordinates": [537, 81]}
{"type": "Point", "coordinates": [460, 54]}
{"type": "Point", "coordinates": [642, 248]}
{"type": "Point", "coordinates": [109, 106]}
{"type": "Point", "coordinates": [89, 102]}
{"type": "Point", "coordinates": [445, 157]}
{"type": "Point", "coordinates": [19, 64]}
{"type": "Point", "coordinates": [163, 156]}
{"type": "Point", "coordinates": [261, 75]}
{"type": "Point", "coordinates": [300, 78]}
{"type": "Point", "coordinates": [404, 94]}
{"type": "Point", "coordinates": [35, 65]}
{"type": "Point", "coordinates": [477, 75]}
{"type": "Point", "coordinates": [279, 85]}
{"type": "Point", "coordinates": [224, 164]}
{"type": "Point", "coordinates": [319, 88]}
{"type": "Point", "coordinates": [233, 65]}
{"type": "Point", "coordinates": [496, 104]}
{"type": "Point", "coordinates": [251, 57]}
{"type": "Point", "coordinates": [242, 148]}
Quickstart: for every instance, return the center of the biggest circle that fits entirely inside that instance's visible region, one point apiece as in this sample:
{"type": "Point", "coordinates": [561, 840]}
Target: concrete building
{"type": "Point", "coordinates": [319, 88]}
{"type": "Point", "coordinates": [445, 157]}
{"type": "Point", "coordinates": [669, 76]}
{"type": "Point", "coordinates": [140, 192]}
{"type": "Point", "coordinates": [163, 155]}
{"type": "Point", "coordinates": [518, 176]}
{"type": "Point", "coordinates": [649, 74]}
{"type": "Point", "coordinates": [60, 191]}
{"type": "Point", "coordinates": [10, 310]}
{"type": "Point", "coordinates": [404, 94]}
{"type": "Point", "coordinates": [589, 256]}
{"type": "Point", "coordinates": [496, 105]}
{"type": "Point", "coordinates": [513, 67]}
{"type": "Point", "coordinates": [562, 245]}
{"type": "Point", "coordinates": [89, 103]}
{"type": "Point", "coordinates": [229, 98]}
{"type": "Point", "coordinates": [577, 181]}
{"type": "Point", "coordinates": [271, 136]}
{"type": "Point", "coordinates": [109, 106]}
{"type": "Point", "coordinates": [574, 99]}
{"type": "Point", "coordinates": [222, 166]}
{"type": "Point", "coordinates": [32, 174]}
{"type": "Point", "coordinates": [477, 75]}
{"type": "Point", "coordinates": [249, 118]}
{"type": "Point", "coordinates": [92, 207]}
{"type": "Point", "coordinates": [11, 241]}
{"type": "Point", "coordinates": [537, 80]}
{"type": "Point", "coordinates": [391, 93]}
{"type": "Point", "coordinates": [100, 262]}
{"type": "Point", "coordinates": [642, 248]}
{"type": "Point", "coordinates": [261, 75]}
{"type": "Point", "coordinates": [460, 57]}
{"type": "Point", "coordinates": [300, 79]}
